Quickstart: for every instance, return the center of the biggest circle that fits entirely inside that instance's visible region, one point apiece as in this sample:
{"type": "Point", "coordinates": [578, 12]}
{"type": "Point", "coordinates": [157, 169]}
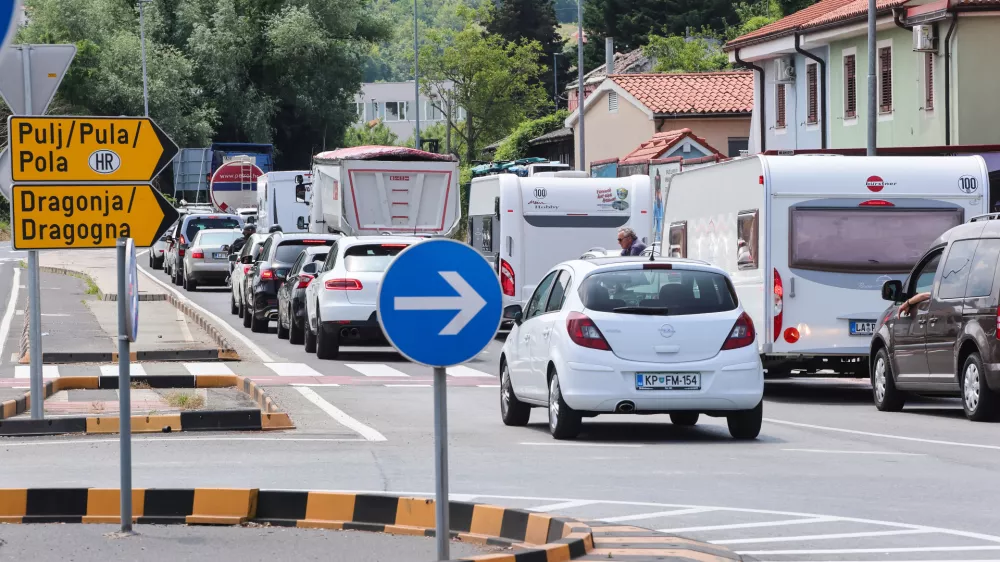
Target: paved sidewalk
{"type": "Point", "coordinates": [101, 265]}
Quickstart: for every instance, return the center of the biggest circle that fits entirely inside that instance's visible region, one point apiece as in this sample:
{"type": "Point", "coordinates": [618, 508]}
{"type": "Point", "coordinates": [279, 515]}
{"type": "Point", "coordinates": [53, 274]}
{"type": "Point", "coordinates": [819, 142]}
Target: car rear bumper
{"type": "Point", "coordinates": [358, 332]}
{"type": "Point", "coordinates": [207, 271]}
{"type": "Point", "coordinates": [265, 305]}
{"type": "Point", "coordinates": [341, 310]}
{"type": "Point", "coordinates": [732, 380]}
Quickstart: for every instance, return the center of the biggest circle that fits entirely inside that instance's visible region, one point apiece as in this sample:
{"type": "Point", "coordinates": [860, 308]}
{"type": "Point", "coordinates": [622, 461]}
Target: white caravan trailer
{"type": "Point", "coordinates": [809, 241]}
{"type": "Point", "coordinates": [277, 203]}
{"type": "Point", "coordinates": [524, 226]}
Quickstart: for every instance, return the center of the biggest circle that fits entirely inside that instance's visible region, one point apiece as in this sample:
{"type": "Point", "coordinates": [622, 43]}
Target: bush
{"type": "Point", "coordinates": [516, 144]}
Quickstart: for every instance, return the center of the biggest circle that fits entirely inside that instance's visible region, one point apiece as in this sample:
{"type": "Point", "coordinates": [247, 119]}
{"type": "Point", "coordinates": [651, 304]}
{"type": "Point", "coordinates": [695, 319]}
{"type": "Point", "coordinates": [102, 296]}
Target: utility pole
{"type": "Point", "coordinates": [416, 76]}
{"type": "Point", "coordinates": [555, 79]}
{"type": "Point", "coordinates": [142, 40]}
{"type": "Point", "coordinates": [581, 165]}
{"type": "Point", "coordinates": [872, 84]}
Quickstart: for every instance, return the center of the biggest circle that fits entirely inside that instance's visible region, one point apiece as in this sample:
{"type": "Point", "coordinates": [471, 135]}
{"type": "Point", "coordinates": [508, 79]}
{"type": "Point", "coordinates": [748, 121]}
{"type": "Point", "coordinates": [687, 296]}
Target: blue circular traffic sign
{"type": "Point", "coordinates": [10, 16]}
{"type": "Point", "coordinates": [440, 303]}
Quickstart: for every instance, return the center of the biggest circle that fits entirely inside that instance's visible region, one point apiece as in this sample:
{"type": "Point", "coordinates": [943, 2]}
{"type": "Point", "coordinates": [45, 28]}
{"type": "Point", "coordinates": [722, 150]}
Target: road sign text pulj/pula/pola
{"type": "Point", "coordinates": [56, 137]}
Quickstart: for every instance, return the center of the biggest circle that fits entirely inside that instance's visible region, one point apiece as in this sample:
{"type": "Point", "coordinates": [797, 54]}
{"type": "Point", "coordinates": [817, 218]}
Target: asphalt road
{"type": "Point", "coordinates": [830, 478]}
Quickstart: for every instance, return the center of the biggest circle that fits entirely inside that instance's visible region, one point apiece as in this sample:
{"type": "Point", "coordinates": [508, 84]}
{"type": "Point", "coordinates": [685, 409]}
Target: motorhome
{"type": "Point", "coordinates": [524, 226]}
{"type": "Point", "coordinates": [276, 201]}
{"type": "Point", "coordinates": [809, 241]}
{"type": "Point", "coordinates": [374, 190]}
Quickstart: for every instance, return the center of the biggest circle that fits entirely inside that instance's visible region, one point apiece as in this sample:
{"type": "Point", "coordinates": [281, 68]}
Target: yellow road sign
{"type": "Point", "coordinates": [53, 217]}
{"type": "Point", "coordinates": [98, 149]}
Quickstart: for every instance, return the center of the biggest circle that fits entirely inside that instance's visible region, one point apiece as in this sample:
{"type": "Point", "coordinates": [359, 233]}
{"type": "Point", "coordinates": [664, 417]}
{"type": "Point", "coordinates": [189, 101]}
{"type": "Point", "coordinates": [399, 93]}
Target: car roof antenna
{"type": "Point", "coordinates": [652, 252]}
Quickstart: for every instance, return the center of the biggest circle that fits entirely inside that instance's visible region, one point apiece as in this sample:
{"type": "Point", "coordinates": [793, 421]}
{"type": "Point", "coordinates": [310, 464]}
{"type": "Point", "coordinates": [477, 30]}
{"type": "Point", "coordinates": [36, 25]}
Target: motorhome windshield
{"type": "Point", "coordinates": [861, 240]}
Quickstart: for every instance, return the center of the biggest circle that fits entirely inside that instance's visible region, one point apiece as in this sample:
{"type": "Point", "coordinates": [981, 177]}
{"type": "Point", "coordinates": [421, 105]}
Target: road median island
{"type": "Point", "coordinates": [266, 416]}
{"type": "Point", "coordinates": [524, 536]}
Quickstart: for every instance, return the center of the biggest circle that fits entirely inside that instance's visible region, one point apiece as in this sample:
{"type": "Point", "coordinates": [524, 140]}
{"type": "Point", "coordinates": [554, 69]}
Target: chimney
{"type": "Point", "coordinates": [609, 55]}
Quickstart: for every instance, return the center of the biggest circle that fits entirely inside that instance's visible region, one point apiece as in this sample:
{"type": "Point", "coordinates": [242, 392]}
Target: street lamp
{"type": "Point", "coordinates": [142, 39]}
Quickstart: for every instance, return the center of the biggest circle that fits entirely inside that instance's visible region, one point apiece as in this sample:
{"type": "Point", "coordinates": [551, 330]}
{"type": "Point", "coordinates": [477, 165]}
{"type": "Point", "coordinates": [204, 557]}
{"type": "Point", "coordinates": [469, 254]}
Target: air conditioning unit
{"type": "Point", "coordinates": [785, 71]}
{"type": "Point", "coordinates": [924, 39]}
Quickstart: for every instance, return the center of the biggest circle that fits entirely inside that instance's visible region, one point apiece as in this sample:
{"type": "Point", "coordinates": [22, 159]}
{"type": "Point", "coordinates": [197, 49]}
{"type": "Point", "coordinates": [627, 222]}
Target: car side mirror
{"type": "Point", "coordinates": [225, 248]}
{"type": "Point", "coordinates": [513, 313]}
{"type": "Point", "coordinates": [309, 268]}
{"type": "Point", "coordinates": [892, 291]}
{"type": "Point", "coordinates": [246, 260]}
{"type": "Point", "coordinates": [301, 223]}
{"type": "Point", "coordinates": [233, 258]}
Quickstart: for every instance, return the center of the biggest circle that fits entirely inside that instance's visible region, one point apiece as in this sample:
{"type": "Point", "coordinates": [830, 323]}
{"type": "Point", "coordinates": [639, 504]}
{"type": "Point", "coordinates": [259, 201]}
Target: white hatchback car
{"type": "Point", "coordinates": [629, 335]}
{"type": "Point", "coordinates": [340, 302]}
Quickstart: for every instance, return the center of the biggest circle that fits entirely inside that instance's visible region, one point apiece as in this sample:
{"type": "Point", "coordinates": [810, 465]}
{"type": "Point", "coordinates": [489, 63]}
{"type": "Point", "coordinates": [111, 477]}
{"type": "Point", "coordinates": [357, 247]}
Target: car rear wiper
{"type": "Point", "coordinates": [647, 310]}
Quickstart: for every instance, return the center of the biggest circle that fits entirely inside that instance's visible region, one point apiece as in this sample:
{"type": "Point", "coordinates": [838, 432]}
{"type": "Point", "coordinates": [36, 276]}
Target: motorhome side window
{"type": "Point", "coordinates": [746, 239]}
{"type": "Point", "coordinates": [678, 239]}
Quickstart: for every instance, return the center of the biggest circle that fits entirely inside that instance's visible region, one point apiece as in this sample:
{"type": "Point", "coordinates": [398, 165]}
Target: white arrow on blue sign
{"type": "Point", "coordinates": [440, 303]}
{"type": "Point", "coordinates": [10, 16]}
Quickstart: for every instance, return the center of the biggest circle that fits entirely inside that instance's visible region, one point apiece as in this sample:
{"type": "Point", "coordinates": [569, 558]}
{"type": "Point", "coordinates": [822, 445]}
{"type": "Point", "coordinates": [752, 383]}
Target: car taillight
{"type": "Point", "coordinates": [182, 239]}
{"type": "Point", "coordinates": [161, 251]}
{"type": "Point", "coordinates": [343, 285]}
{"type": "Point", "coordinates": [998, 324]}
{"type": "Point", "coordinates": [180, 252]}
{"type": "Point", "coordinates": [304, 280]}
{"type": "Point", "coordinates": [198, 255]}
{"type": "Point", "coordinates": [507, 278]}
{"type": "Point", "coordinates": [742, 333]}
{"type": "Point", "coordinates": [779, 302]}
{"type": "Point", "coordinates": [584, 332]}
{"type": "Point", "coordinates": [246, 268]}
{"type": "Point", "coordinates": [266, 274]}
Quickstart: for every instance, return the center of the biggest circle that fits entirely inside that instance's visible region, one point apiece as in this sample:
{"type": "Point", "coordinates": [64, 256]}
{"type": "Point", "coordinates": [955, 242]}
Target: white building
{"type": "Point", "coordinates": [393, 102]}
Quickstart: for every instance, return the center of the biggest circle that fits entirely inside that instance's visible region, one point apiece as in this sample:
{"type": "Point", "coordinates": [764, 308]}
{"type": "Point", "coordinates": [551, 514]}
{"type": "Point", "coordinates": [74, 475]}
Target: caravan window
{"type": "Point", "coordinates": [865, 239]}
{"type": "Point", "coordinates": [678, 240]}
{"type": "Point", "coordinates": [746, 243]}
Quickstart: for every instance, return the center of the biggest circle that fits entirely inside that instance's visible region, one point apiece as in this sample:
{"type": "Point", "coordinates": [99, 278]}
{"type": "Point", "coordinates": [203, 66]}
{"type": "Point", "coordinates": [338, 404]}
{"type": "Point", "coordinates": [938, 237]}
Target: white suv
{"type": "Point", "coordinates": [340, 303]}
{"type": "Point", "coordinates": [629, 335]}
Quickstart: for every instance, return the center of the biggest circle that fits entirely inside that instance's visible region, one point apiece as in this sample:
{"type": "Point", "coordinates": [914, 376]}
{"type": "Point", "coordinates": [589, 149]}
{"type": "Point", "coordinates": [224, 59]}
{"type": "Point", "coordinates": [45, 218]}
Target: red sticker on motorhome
{"type": "Point", "coordinates": [875, 183]}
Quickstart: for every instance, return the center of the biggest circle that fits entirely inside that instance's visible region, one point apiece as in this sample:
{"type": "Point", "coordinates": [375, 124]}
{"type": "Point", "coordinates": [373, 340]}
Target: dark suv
{"type": "Point", "coordinates": [267, 274]}
{"type": "Point", "coordinates": [947, 343]}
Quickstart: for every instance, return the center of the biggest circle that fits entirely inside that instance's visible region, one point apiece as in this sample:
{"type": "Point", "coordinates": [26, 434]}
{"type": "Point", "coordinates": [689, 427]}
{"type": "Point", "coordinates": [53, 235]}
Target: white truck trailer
{"type": "Point", "coordinates": [277, 204]}
{"type": "Point", "coordinates": [809, 241]}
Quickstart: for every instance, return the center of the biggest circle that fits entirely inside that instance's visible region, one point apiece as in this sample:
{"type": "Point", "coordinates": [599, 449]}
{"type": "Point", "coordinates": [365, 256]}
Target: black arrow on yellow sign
{"type": "Point", "coordinates": [53, 217]}
{"type": "Point", "coordinates": [87, 149]}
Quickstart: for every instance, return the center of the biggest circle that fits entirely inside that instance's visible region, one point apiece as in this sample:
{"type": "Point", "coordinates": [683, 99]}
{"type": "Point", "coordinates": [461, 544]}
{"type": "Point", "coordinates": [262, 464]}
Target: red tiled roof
{"type": "Point", "coordinates": [975, 3]}
{"type": "Point", "coordinates": [852, 10]}
{"type": "Point", "coordinates": [823, 12]}
{"type": "Point", "coordinates": [660, 143]}
{"type": "Point", "coordinates": [692, 93]}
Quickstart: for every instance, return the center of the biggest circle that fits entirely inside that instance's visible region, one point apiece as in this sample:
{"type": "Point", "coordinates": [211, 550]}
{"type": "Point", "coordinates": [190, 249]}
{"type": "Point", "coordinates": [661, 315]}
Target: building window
{"type": "Point", "coordinates": [738, 145]}
{"type": "Point", "coordinates": [746, 242]}
{"type": "Point", "coordinates": [460, 114]}
{"type": "Point", "coordinates": [396, 110]}
{"type": "Point", "coordinates": [928, 81]}
{"type": "Point", "coordinates": [359, 107]}
{"type": "Point", "coordinates": [677, 240]}
{"type": "Point", "coordinates": [812, 93]}
{"type": "Point", "coordinates": [885, 79]}
{"type": "Point", "coordinates": [779, 107]}
{"type": "Point", "coordinates": [850, 87]}
{"type": "Point", "coordinates": [432, 112]}
{"type": "Point", "coordinates": [613, 102]}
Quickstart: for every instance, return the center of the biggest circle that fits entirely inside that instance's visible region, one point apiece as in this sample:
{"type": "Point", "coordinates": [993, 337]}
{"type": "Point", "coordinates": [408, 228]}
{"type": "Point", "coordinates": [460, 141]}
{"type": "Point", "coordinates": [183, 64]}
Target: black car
{"type": "Point", "coordinates": [269, 271]}
{"type": "Point", "coordinates": [292, 294]}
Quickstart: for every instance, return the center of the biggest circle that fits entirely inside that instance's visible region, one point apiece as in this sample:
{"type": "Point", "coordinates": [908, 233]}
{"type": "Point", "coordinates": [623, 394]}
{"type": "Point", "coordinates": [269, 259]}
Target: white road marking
{"type": "Point", "coordinates": [8, 314]}
{"type": "Point", "coordinates": [833, 452]}
{"type": "Point", "coordinates": [314, 385]}
{"type": "Point", "coordinates": [338, 415]}
{"type": "Point", "coordinates": [562, 505]}
{"type": "Point", "coordinates": [407, 385]}
{"type": "Point", "coordinates": [884, 435]}
{"type": "Point", "coordinates": [208, 368]}
{"type": "Point", "coordinates": [463, 371]}
{"type": "Point", "coordinates": [218, 321]}
{"type": "Point", "coordinates": [57, 315]}
{"type": "Point", "coordinates": [488, 386]}
{"type": "Point", "coordinates": [874, 550]}
{"type": "Point", "coordinates": [554, 444]}
{"type": "Point", "coordinates": [163, 439]}
{"type": "Point", "coordinates": [185, 330]}
{"type": "Point", "coordinates": [656, 514]}
{"type": "Point", "coordinates": [134, 369]}
{"type": "Point", "coordinates": [375, 370]}
{"type": "Point", "coordinates": [781, 523]}
{"type": "Point", "coordinates": [18, 312]}
{"type": "Point", "coordinates": [48, 371]}
{"type": "Point", "coordinates": [825, 537]}
{"type": "Point", "coordinates": [293, 370]}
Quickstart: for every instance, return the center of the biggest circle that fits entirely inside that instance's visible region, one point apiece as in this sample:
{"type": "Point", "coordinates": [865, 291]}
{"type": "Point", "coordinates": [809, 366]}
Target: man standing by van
{"type": "Point", "coordinates": [631, 246]}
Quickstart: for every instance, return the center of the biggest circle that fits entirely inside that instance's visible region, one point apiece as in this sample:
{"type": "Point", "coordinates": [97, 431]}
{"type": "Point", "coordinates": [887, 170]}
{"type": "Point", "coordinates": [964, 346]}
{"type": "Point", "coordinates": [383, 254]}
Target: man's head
{"type": "Point", "coordinates": [626, 237]}
{"type": "Point", "coordinates": [248, 230]}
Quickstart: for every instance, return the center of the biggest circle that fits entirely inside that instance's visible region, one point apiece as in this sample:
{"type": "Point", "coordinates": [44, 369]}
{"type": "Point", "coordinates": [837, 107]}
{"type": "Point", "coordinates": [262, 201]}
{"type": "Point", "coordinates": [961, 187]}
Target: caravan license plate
{"type": "Point", "coordinates": [668, 381]}
{"type": "Point", "coordinates": [862, 327]}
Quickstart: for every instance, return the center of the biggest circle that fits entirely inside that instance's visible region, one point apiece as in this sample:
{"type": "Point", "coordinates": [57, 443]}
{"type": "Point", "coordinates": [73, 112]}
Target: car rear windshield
{"type": "Point", "coordinates": [196, 224]}
{"type": "Point", "coordinates": [857, 240]}
{"type": "Point", "coordinates": [287, 252]}
{"type": "Point", "coordinates": [217, 238]}
{"type": "Point", "coordinates": [371, 258]}
{"type": "Point", "coordinates": [658, 292]}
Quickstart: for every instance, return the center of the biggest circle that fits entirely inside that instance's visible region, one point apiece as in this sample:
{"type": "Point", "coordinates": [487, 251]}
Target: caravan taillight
{"type": "Point", "coordinates": [779, 301]}
{"type": "Point", "coordinates": [506, 278]}
{"type": "Point", "coordinates": [876, 203]}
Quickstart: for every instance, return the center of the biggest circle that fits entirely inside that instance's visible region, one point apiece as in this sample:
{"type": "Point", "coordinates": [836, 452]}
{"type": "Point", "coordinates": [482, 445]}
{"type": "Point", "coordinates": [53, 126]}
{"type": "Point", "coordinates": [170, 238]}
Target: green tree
{"type": "Point", "coordinates": [791, 6]}
{"type": "Point", "coordinates": [516, 144]}
{"type": "Point", "coordinates": [753, 16]}
{"type": "Point", "coordinates": [494, 81]}
{"type": "Point", "coordinates": [700, 53]}
{"type": "Point", "coordinates": [532, 20]}
{"type": "Point", "coordinates": [372, 133]}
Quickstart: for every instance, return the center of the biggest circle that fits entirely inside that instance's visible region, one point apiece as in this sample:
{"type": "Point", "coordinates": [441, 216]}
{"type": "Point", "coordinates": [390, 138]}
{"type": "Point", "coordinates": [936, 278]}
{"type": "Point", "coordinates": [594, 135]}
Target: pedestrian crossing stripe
{"type": "Point", "coordinates": [293, 370]}
{"type": "Point", "coordinates": [201, 369]}
{"type": "Point", "coordinates": [463, 371]}
{"type": "Point", "coordinates": [375, 370]}
{"type": "Point", "coordinates": [134, 369]}
{"type": "Point", "coordinates": [48, 372]}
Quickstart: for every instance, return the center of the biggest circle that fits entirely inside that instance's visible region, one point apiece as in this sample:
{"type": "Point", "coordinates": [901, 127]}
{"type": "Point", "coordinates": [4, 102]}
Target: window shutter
{"type": "Point", "coordinates": [850, 88]}
{"type": "Point", "coordinates": [813, 94]}
{"type": "Point", "coordinates": [779, 120]}
{"type": "Point", "coordinates": [885, 74]}
{"type": "Point", "coordinates": [928, 81]}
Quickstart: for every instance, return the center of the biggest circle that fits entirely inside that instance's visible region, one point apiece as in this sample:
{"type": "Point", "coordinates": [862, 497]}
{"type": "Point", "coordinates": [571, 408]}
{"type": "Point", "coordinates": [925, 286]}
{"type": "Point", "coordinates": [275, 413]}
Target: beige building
{"type": "Point", "coordinates": [627, 110]}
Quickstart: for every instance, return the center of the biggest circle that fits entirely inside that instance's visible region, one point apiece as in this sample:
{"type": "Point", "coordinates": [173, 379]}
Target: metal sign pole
{"type": "Point", "coordinates": [441, 531]}
{"type": "Point", "coordinates": [124, 389]}
{"type": "Point", "coordinates": [34, 289]}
